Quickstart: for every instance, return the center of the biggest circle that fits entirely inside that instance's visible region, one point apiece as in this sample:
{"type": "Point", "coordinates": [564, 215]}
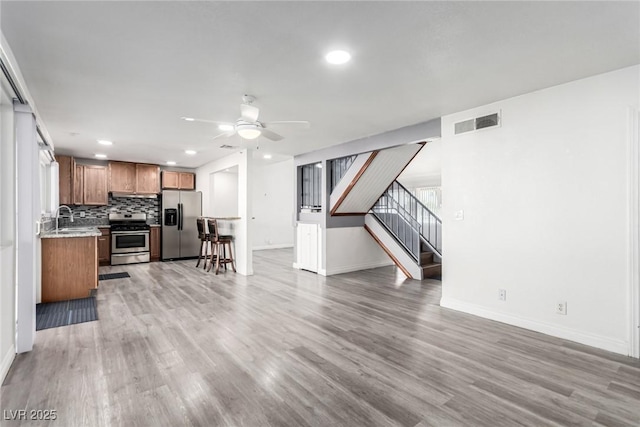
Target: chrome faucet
{"type": "Point", "coordinates": [58, 213]}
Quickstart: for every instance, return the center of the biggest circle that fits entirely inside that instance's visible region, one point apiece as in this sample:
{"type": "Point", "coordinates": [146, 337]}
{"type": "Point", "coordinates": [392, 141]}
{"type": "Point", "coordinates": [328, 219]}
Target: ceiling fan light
{"type": "Point", "coordinates": [248, 132]}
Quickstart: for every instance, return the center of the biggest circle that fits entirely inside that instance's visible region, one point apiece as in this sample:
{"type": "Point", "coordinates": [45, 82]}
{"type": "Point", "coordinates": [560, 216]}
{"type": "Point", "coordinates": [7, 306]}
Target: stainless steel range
{"type": "Point", "coordinates": [129, 238]}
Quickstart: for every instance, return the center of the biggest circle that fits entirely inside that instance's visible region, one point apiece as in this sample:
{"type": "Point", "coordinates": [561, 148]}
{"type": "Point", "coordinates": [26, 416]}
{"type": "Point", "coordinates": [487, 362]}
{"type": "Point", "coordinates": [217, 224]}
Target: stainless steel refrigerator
{"type": "Point", "coordinates": [180, 209]}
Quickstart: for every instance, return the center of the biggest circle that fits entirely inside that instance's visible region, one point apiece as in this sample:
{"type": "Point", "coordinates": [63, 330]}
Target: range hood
{"type": "Point", "coordinates": [135, 196]}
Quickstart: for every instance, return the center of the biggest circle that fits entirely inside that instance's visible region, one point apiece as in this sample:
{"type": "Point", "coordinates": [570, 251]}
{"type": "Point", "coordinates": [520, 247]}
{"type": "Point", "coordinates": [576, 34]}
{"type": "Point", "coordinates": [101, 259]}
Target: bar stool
{"type": "Point", "coordinates": [205, 238]}
{"type": "Point", "coordinates": [219, 245]}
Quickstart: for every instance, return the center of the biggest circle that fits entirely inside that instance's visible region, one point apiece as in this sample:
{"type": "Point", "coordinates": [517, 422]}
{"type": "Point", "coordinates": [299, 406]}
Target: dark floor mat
{"type": "Point", "coordinates": [63, 313]}
{"type": "Point", "coordinates": [109, 276]}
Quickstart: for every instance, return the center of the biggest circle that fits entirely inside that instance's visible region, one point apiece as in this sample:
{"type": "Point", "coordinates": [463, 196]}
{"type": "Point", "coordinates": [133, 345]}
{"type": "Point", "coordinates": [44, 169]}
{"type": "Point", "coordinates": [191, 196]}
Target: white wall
{"type": "Point", "coordinates": [224, 193]}
{"type": "Point", "coordinates": [425, 170]}
{"type": "Point", "coordinates": [351, 249]}
{"type": "Point", "coordinates": [545, 200]}
{"type": "Point", "coordinates": [272, 208]}
{"type": "Point", "coordinates": [242, 241]}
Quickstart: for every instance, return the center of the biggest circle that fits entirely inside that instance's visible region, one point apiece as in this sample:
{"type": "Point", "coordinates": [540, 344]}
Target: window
{"type": "Point", "coordinates": [310, 178]}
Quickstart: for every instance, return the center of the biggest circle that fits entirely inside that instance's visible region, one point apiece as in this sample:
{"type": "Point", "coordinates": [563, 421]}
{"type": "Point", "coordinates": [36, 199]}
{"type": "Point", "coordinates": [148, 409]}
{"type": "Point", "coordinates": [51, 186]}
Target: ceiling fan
{"type": "Point", "coordinates": [248, 126]}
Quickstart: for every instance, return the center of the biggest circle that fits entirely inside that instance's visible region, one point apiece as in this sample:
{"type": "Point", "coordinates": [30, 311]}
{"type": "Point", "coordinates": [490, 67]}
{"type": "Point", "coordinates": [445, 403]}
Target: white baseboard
{"type": "Point", "coordinates": [605, 343]}
{"type": "Point", "coordinates": [357, 267]}
{"type": "Point", "coordinates": [7, 360]}
{"type": "Point", "coordinates": [280, 246]}
{"type": "Point", "coordinates": [295, 266]}
{"type": "Point", "coordinates": [322, 272]}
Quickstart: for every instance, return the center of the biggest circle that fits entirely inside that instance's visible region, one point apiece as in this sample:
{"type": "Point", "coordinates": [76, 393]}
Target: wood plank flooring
{"type": "Point", "coordinates": [178, 346]}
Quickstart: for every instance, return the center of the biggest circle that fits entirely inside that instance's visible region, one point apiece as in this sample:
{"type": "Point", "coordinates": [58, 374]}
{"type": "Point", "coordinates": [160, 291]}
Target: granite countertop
{"type": "Point", "coordinates": [71, 232]}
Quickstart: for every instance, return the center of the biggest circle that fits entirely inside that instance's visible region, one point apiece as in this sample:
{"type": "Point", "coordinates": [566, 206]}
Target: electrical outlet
{"type": "Point", "coordinates": [459, 215]}
{"type": "Point", "coordinates": [561, 308]}
{"type": "Point", "coordinates": [502, 294]}
{"type": "Point", "coordinates": [82, 214]}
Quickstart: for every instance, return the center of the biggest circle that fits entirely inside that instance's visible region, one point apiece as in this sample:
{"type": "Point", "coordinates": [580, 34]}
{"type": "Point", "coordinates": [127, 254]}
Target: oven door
{"type": "Point", "coordinates": [127, 242]}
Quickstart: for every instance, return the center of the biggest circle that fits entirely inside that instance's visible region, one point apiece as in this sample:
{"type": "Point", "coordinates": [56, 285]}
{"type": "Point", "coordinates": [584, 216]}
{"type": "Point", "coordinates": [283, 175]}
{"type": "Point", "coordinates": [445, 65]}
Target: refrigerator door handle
{"type": "Point", "coordinates": [179, 216]}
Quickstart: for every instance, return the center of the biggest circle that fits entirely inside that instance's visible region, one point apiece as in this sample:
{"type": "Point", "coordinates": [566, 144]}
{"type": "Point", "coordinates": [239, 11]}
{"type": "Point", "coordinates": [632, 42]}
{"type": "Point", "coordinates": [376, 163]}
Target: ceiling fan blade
{"type": "Point", "coordinates": [303, 124]}
{"type": "Point", "coordinates": [271, 135]}
{"type": "Point", "coordinates": [215, 122]}
{"type": "Point", "coordinates": [249, 113]}
{"type": "Point", "coordinates": [227, 134]}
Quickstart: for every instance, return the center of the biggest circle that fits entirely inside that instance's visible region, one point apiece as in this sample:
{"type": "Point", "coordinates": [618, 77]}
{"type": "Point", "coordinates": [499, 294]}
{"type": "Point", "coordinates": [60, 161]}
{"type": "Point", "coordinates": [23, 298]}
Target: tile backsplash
{"type": "Point", "coordinates": [98, 215]}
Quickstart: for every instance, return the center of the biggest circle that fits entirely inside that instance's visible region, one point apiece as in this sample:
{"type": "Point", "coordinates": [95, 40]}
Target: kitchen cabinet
{"type": "Point", "coordinates": [122, 177]}
{"type": "Point", "coordinates": [147, 179]}
{"type": "Point", "coordinates": [78, 181]}
{"type": "Point", "coordinates": [95, 185]}
{"type": "Point", "coordinates": [104, 247]}
{"type": "Point", "coordinates": [65, 179]}
{"type": "Point", "coordinates": [178, 180]}
{"type": "Point", "coordinates": [134, 178]}
{"type": "Point", "coordinates": [154, 244]}
{"type": "Point", "coordinates": [69, 268]}
{"type": "Point", "coordinates": [187, 181]}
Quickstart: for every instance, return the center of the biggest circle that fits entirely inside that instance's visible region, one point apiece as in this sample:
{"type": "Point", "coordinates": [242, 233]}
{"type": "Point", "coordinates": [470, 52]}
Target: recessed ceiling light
{"type": "Point", "coordinates": [267, 156]}
{"type": "Point", "coordinates": [225, 128]}
{"type": "Point", "coordinates": [191, 152]}
{"type": "Point", "coordinates": [189, 119]}
{"type": "Point", "coordinates": [171, 163]}
{"type": "Point", "coordinates": [104, 142]}
{"type": "Point", "coordinates": [101, 156]}
{"type": "Point", "coordinates": [338, 57]}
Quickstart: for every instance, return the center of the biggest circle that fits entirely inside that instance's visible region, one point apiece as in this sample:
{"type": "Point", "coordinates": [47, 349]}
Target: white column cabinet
{"type": "Point", "coordinates": [307, 246]}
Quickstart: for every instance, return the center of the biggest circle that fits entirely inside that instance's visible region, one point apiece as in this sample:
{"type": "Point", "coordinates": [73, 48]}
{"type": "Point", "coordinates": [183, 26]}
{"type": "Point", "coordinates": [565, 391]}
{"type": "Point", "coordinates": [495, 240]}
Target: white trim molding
{"type": "Point", "coordinates": [634, 233]}
{"type": "Point", "coordinates": [267, 247]}
{"type": "Point", "coordinates": [356, 267]}
{"type": "Point", "coordinates": [7, 360]}
{"type": "Point", "coordinates": [603, 342]}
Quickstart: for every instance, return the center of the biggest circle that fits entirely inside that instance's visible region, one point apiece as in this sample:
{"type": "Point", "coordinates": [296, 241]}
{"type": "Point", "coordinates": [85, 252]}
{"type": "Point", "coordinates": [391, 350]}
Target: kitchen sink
{"type": "Point", "coordinates": [69, 230]}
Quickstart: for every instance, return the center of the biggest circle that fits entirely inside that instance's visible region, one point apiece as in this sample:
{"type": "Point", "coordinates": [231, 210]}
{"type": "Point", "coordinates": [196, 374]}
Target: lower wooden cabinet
{"type": "Point", "coordinates": [104, 247]}
{"type": "Point", "coordinates": [154, 244]}
{"type": "Point", "coordinates": [69, 268]}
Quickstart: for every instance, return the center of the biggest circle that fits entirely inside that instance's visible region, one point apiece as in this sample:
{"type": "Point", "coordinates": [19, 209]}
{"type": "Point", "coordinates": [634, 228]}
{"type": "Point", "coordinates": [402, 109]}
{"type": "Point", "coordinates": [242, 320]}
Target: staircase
{"type": "Point", "coordinates": [408, 231]}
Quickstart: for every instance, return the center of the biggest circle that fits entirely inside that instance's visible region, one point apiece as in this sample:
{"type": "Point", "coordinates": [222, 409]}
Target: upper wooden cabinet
{"type": "Point", "coordinates": [95, 185]}
{"type": "Point", "coordinates": [122, 177]}
{"type": "Point", "coordinates": [178, 180]}
{"type": "Point", "coordinates": [134, 178]}
{"type": "Point", "coordinates": [65, 175]}
{"type": "Point", "coordinates": [78, 184]}
{"type": "Point", "coordinates": [147, 179]}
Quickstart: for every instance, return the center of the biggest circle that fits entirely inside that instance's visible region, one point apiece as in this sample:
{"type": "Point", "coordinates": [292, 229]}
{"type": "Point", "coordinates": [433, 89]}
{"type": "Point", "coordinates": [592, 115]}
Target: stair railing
{"type": "Point", "coordinates": [337, 169]}
{"type": "Point", "coordinates": [409, 220]}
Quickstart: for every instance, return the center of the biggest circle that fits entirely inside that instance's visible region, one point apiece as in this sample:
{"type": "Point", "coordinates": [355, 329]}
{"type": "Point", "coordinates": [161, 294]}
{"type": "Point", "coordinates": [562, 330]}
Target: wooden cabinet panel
{"type": "Point", "coordinates": [170, 180]}
{"type": "Point", "coordinates": [187, 181]}
{"type": "Point", "coordinates": [154, 244]}
{"type": "Point", "coordinates": [78, 184]}
{"type": "Point", "coordinates": [95, 185]}
{"type": "Point", "coordinates": [147, 179]}
{"type": "Point", "coordinates": [69, 268]}
{"type": "Point", "coordinates": [104, 247]}
{"type": "Point", "coordinates": [178, 180]}
{"type": "Point", "coordinates": [122, 177]}
{"type": "Point", "coordinates": [65, 180]}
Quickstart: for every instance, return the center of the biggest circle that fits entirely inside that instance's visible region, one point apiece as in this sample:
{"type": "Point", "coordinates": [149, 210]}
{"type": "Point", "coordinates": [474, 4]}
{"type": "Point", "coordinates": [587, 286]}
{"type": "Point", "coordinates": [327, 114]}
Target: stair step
{"type": "Point", "coordinates": [431, 270]}
{"type": "Point", "coordinates": [426, 258]}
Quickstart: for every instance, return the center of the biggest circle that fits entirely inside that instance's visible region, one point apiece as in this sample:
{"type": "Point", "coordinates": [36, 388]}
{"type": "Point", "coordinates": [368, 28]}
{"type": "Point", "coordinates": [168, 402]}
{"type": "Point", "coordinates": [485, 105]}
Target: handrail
{"type": "Point", "coordinates": [419, 223]}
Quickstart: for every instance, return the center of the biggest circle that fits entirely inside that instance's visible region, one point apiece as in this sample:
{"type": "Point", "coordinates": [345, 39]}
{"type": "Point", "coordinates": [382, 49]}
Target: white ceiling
{"type": "Point", "coordinates": [127, 71]}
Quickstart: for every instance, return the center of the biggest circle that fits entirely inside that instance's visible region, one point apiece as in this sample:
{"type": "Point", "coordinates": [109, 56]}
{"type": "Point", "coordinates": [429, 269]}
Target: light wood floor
{"type": "Point", "coordinates": [178, 346]}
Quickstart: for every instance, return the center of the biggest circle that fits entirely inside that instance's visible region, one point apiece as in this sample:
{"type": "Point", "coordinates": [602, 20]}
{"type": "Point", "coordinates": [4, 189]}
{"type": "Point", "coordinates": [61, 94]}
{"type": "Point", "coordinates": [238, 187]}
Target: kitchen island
{"type": "Point", "coordinates": [69, 263]}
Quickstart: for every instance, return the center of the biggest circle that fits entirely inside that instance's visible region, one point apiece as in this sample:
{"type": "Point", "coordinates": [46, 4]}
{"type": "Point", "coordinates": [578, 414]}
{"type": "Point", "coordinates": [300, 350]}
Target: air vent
{"type": "Point", "coordinates": [228, 147]}
{"type": "Point", "coordinates": [477, 123]}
